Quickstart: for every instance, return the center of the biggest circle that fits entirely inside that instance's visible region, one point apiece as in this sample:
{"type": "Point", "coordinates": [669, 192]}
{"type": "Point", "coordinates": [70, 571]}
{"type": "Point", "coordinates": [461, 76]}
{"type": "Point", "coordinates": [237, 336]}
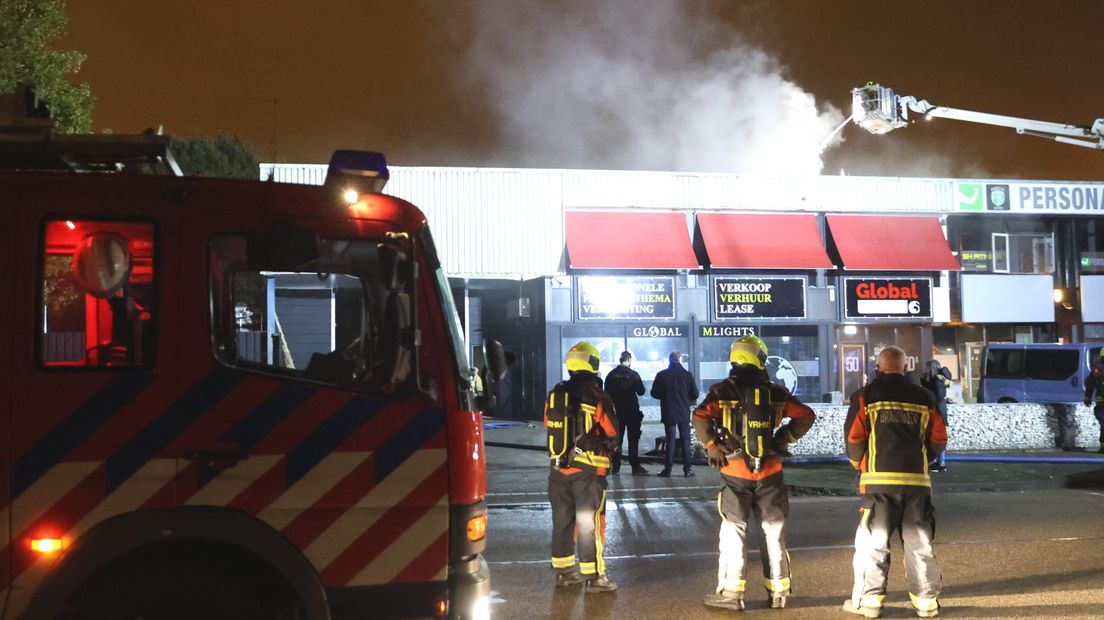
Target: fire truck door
{"type": "Point", "coordinates": [356, 480]}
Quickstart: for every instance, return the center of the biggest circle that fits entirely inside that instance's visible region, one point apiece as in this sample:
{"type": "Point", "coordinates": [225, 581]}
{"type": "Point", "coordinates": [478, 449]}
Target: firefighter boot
{"type": "Point", "coordinates": [777, 600]}
{"type": "Point", "coordinates": [601, 583]}
{"type": "Point", "coordinates": [870, 612]}
{"type": "Point", "coordinates": [726, 599]}
{"type": "Point", "coordinates": [568, 578]}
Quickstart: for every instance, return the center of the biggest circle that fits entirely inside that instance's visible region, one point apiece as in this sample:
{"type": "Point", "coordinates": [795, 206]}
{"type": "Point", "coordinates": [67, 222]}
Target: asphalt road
{"type": "Point", "coordinates": [1011, 540]}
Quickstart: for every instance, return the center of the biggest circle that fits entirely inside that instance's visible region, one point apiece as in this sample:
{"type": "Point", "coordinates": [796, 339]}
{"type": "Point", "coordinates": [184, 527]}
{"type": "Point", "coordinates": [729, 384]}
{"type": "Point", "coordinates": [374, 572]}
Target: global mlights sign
{"type": "Point", "coordinates": [882, 298]}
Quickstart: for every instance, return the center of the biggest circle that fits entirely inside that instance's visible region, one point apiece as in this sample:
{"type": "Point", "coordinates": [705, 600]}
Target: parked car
{"type": "Point", "coordinates": [1037, 373]}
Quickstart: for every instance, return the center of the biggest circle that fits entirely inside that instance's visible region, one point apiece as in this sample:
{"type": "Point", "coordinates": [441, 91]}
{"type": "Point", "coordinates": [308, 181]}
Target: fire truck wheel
{"type": "Point", "coordinates": [184, 580]}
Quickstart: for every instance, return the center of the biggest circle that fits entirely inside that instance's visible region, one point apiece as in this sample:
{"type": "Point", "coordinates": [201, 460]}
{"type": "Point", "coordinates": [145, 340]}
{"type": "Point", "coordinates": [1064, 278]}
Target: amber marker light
{"type": "Point", "coordinates": [45, 545]}
{"type": "Point", "coordinates": [477, 527]}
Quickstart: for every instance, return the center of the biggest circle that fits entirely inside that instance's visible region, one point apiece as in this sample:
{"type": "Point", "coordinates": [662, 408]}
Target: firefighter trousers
{"type": "Point", "coordinates": [578, 519]}
{"type": "Point", "coordinates": [738, 501]}
{"type": "Point", "coordinates": [912, 517]}
{"type": "Point", "coordinates": [1098, 411]}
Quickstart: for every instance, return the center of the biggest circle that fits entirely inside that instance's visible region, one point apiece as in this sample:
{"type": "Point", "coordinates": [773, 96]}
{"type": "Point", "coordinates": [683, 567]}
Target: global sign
{"type": "Point", "coordinates": [657, 331]}
{"type": "Point", "coordinates": [758, 298]}
{"type": "Point", "coordinates": [902, 298]}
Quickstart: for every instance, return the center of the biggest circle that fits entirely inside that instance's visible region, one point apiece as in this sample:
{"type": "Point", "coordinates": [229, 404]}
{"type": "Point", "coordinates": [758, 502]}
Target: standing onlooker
{"type": "Point", "coordinates": [677, 392]}
{"type": "Point", "coordinates": [737, 422]}
{"type": "Point", "coordinates": [582, 426]}
{"type": "Point", "coordinates": [625, 386]}
{"type": "Point", "coordinates": [1095, 383]}
{"type": "Point", "coordinates": [892, 427]}
{"type": "Point", "coordinates": [936, 380]}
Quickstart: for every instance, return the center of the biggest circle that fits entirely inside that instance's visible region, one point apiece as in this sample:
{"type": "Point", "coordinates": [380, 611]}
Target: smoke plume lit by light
{"type": "Point", "coordinates": [639, 84]}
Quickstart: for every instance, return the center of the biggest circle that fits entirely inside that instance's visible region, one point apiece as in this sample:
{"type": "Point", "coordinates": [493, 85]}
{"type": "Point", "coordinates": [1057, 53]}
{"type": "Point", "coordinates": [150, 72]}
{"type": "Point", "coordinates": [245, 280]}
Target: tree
{"type": "Point", "coordinates": [223, 156]}
{"type": "Point", "coordinates": [26, 27]}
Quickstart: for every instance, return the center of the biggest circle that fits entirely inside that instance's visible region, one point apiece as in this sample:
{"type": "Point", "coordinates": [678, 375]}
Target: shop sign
{"type": "Point", "coordinates": [1092, 262]}
{"type": "Point", "coordinates": [726, 331]}
{"type": "Point", "coordinates": [900, 298]}
{"type": "Point", "coordinates": [602, 297]}
{"type": "Point", "coordinates": [976, 260]}
{"type": "Point", "coordinates": [758, 298]}
{"type": "Point", "coordinates": [1049, 198]}
{"type": "Point", "coordinates": [657, 331]}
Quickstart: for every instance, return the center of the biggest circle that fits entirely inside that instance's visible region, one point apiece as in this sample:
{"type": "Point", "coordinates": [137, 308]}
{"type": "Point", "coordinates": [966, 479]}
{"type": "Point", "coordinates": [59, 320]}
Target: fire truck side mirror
{"type": "Point", "coordinates": [495, 358]}
{"type": "Point", "coordinates": [394, 267]}
{"type": "Point", "coordinates": [283, 245]}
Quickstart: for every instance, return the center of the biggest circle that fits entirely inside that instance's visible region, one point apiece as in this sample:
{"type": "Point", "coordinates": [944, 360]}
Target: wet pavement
{"type": "Point", "coordinates": [1014, 540]}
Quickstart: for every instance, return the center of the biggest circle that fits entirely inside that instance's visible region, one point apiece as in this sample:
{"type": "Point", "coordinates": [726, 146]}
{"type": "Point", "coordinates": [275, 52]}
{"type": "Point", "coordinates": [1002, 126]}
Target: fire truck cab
{"type": "Point", "coordinates": [229, 398]}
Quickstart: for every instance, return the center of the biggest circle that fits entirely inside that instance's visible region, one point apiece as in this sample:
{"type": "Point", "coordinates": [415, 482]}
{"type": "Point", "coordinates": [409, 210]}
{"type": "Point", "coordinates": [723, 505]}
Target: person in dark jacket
{"type": "Point", "coordinates": [624, 386]}
{"type": "Point", "coordinates": [1095, 383]}
{"type": "Point", "coordinates": [936, 380]}
{"type": "Point", "coordinates": [677, 392]}
{"type": "Point", "coordinates": [893, 428]}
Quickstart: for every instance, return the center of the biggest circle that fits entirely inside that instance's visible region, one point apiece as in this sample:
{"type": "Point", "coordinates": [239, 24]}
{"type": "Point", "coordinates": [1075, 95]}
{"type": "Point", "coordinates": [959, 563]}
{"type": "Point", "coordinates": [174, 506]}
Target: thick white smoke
{"type": "Point", "coordinates": [639, 84]}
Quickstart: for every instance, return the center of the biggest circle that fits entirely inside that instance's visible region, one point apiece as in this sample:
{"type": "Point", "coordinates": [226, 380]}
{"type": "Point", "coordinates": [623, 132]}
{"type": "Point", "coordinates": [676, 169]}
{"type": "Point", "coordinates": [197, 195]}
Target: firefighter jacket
{"type": "Point", "coordinates": [1095, 383]}
{"type": "Point", "coordinates": [893, 431]}
{"type": "Point", "coordinates": [581, 423]}
{"type": "Point", "coordinates": [721, 417]}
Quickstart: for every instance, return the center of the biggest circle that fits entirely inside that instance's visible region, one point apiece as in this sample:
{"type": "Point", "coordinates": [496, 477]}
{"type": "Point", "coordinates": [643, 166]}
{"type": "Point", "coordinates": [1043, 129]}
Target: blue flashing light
{"type": "Point", "coordinates": [364, 172]}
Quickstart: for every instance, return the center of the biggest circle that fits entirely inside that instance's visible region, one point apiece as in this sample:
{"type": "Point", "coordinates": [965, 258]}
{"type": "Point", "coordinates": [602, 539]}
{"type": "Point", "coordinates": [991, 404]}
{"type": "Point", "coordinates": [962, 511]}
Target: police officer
{"type": "Point", "coordinates": [1095, 383]}
{"type": "Point", "coordinates": [582, 427]}
{"type": "Point", "coordinates": [625, 386]}
{"type": "Point", "coordinates": [738, 421]}
{"type": "Point", "coordinates": [893, 427]}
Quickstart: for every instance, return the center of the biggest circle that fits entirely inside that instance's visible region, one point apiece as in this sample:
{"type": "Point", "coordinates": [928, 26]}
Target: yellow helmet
{"type": "Point", "coordinates": [748, 350]}
{"type": "Point", "coordinates": [583, 357]}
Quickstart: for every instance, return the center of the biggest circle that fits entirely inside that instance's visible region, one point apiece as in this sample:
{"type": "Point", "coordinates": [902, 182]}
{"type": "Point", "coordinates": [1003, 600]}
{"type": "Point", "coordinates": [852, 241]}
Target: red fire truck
{"type": "Point", "coordinates": [227, 398]}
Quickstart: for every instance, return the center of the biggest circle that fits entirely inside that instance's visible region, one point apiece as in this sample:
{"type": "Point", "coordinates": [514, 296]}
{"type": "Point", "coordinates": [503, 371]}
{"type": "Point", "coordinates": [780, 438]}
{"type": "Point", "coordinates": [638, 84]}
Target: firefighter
{"type": "Point", "coordinates": [582, 428]}
{"type": "Point", "coordinates": [893, 430]}
{"type": "Point", "coordinates": [739, 423]}
{"type": "Point", "coordinates": [1095, 383]}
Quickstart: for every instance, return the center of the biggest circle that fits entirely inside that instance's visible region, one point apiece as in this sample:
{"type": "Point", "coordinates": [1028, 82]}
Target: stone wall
{"type": "Point", "coordinates": [972, 427]}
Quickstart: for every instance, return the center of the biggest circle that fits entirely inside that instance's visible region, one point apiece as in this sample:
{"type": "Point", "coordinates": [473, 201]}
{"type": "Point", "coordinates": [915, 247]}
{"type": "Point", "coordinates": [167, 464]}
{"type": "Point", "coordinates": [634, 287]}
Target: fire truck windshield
{"type": "Point", "coordinates": [343, 318]}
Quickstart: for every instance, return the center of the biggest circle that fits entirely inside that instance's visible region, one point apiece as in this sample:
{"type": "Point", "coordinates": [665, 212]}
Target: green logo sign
{"type": "Point", "coordinates": [969, 197]}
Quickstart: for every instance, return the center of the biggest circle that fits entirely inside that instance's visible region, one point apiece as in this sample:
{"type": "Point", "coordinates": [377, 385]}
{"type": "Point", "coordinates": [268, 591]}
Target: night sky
{"type": "Point", "coordinates": [695, 85]}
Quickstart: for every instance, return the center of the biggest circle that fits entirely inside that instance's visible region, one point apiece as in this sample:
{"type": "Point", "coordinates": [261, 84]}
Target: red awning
{"type": "Point", "coordinates": [628, 240]}
{"type": "Point", "coordinates": [763, 241]}
{"type": "Point", "coordinates": [878, 243]}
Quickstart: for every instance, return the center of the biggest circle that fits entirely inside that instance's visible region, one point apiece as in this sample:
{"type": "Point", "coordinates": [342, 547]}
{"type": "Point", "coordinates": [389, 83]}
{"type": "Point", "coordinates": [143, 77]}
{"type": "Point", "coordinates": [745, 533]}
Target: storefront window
{"type": "Point", "coordinates": [608, 339]}
{"type": "Point", "coordinates": [793, 360]}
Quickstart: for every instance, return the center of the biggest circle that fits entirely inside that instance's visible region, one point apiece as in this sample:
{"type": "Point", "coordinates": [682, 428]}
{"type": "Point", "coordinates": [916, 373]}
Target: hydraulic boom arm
{"type": "Point", "coordinates": [879, 110]}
